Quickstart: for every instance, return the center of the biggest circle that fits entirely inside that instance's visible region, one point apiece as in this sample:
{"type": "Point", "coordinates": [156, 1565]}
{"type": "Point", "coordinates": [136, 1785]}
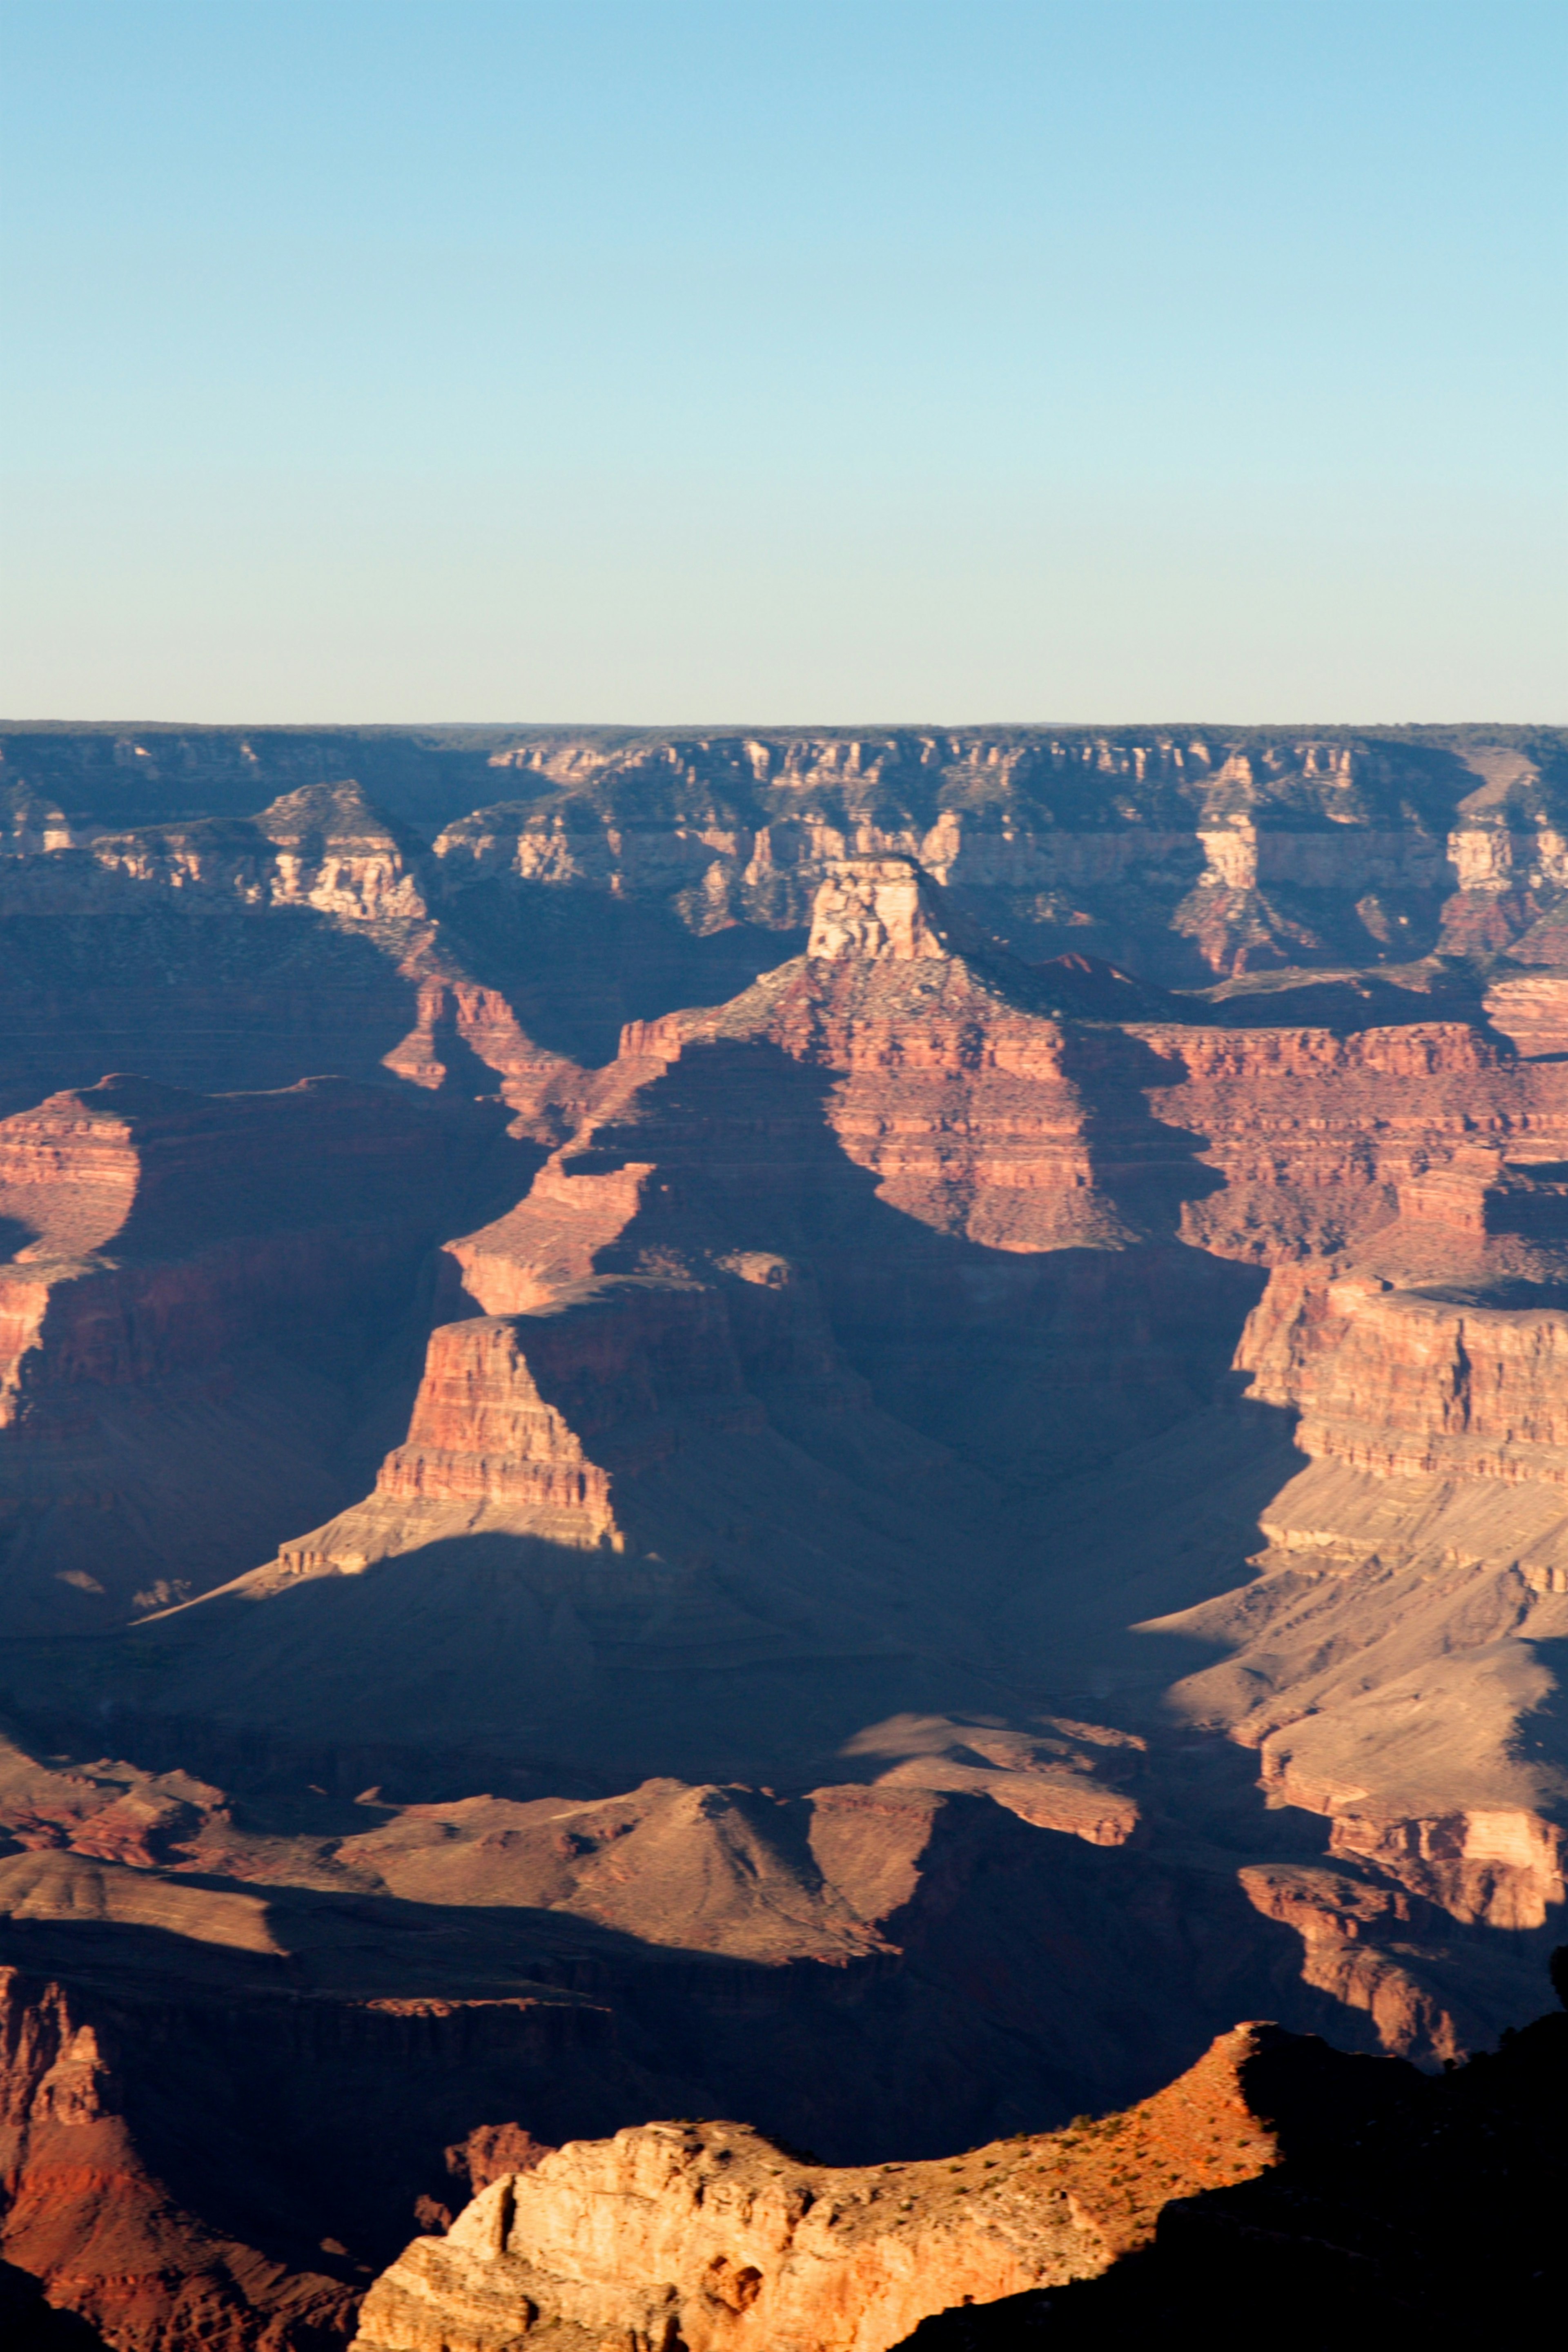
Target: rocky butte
{"type": "Point", "coordinates": [860, 1432]}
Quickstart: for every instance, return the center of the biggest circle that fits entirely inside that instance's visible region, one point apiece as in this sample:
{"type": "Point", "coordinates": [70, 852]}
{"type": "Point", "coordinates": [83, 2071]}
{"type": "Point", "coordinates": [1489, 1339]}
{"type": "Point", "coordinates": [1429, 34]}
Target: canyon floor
{"type": "Point", "coordinates": [865, 1435]}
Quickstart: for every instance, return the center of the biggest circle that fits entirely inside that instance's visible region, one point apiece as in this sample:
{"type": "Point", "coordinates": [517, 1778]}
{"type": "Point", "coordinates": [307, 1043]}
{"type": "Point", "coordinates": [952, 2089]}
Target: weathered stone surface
{"type": "Point", "coordinates": [706, 2235]}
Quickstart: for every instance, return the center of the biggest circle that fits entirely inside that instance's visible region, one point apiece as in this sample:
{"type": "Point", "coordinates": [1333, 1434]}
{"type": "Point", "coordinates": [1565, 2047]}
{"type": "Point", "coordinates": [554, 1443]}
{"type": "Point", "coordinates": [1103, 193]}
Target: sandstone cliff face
{"type": "Point", "coordinates": [1180, 858]}
{"type": "Point", "coordinates": [707, 2234]}
{"type": "Point", "coordinates": [1403, 2207]}
{"type": "Point", "coordinates": [528, 1423]}
{"type": "Point", "coordinates": [250, 951]}
{"type": "Point", "coordinates": [1321, 1137]}
{"type": "Point", "coordinates": [323, 846]}
{"type": "Point", "coordinates": [1384, 1663]}
{"type": "Point", "coordinates": [1211, 853]}
{"type": "Point", "coordinates": [725, 1251]}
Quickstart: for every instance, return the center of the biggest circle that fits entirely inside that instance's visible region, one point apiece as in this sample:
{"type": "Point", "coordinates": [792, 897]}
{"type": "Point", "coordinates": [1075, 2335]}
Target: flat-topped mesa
{"type": "Point", "coordinates": [877, 908]}
{"type": "Point", "coordinates": [157, 1173]}
{"type": "Point", "coordinates": [1410, 1385]}
{"type": "Point", "coordinates": [704, 2235]}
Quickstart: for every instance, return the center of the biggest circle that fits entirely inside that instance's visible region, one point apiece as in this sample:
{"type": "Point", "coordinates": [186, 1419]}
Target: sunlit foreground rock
{"type": "Point", "coordinates": [702, 2235]}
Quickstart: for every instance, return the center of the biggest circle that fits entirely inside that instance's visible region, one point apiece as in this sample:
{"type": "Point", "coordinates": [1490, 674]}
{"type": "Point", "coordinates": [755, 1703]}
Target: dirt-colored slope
{"type": "Point", "coordinates": [1426, 2210]}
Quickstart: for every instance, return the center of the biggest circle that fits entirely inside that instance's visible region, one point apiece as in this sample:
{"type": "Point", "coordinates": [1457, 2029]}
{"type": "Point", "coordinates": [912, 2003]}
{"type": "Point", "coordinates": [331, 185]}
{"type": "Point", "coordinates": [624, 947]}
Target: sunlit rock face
{"type": "Point", "coordinates": [907, 1386]}
{"type": "Point", "coordinates": [875, 907]}
{"type": "Point", "coordinates": [674, 2232]}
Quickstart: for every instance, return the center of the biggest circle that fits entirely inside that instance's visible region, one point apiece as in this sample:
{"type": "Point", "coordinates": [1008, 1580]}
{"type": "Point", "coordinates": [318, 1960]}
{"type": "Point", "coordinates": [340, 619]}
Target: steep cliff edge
{"type": "Point", "coordinates": [83, 2215]}
{"type": "Point", "coordinates": [842, 1386]}
{"type": "Point", "coordinates": [1411, 1576]}
{"type": "Point", "coordinates": [886, 1195]}
{"type": "Point", "coordinates": [287, 2024]}
{"type": "Point", "coordinates": [1426, 2210]}
{"type": "Point", "coordinates": [1179, 854]}
{"type": "Point", "coordinates": [703, 2234]}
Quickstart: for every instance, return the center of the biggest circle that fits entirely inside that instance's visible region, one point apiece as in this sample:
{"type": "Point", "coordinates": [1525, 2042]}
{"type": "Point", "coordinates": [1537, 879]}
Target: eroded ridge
{"type": "Point", "coordinates": [707, 2234]}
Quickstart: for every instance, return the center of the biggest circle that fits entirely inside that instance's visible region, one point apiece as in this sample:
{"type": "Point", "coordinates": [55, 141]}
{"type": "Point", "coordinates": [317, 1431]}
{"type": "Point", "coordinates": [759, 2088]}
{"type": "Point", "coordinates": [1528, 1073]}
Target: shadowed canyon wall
{"type": "Point", "coordinates": [865, 1431]}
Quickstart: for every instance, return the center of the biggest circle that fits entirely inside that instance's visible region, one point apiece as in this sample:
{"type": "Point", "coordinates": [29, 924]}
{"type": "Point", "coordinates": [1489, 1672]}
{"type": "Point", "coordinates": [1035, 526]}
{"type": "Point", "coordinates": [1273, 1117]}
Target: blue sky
{"type": "Point", "coordinates": [667, 362]}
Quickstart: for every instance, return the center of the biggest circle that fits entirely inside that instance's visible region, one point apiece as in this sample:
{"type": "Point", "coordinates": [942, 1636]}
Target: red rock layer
{"type": "Point", "coordinates": [1316, 1134]}
{"type": "Point", "coordinates": [512, 1410]}
{"type": "Point", "coordinates": [1407, 1386]}
{"type": "Point", "coordinates": [460, 1026]}
{"type": "Point", "coordinates": [84, 2216]}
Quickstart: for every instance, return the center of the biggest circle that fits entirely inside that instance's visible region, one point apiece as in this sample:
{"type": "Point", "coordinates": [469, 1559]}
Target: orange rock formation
{"type": "Point", "coordinates": [914, 1465]}
{"type": "Point", "coordinates": [706, 2235]}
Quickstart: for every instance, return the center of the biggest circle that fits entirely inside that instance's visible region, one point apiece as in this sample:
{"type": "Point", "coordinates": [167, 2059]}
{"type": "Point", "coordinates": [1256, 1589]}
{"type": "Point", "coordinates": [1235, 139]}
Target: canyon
{"type": "Point", "coordinates": [863, 1432]}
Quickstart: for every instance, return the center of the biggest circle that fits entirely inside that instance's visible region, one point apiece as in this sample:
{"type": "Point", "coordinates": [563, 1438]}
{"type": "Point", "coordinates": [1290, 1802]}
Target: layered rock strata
{"type": "Point", "coordinates": [1207, 853]}
{"type": "Point", "coordinates": [1389, 1662]}
{"type": "Point", "coordinates": [896, 1161]}
{"type": "Point", "coordinates": [85, 2217]}
{"type": "Point", "coordinates": [1180, 855]}
{"type": "Point", "coordinates": [845, 1401]}
{"type": "Point", "coordinates": [776, 1223]}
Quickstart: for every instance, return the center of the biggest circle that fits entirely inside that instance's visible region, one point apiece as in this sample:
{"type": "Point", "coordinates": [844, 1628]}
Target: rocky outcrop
{"type": "Point", "coordinates": [529, 1423]}
{"type": "Point", "coordinates": [1179, 854]}
{"type": "Point", "coordinates": [876, 908]}
{"type": "Point", "coordinates": [81, 2213]}
{"type": "Point", "coordinates": [1323, 1138]}
{"type": "Point", "coordinates": [1425, 2205]}
{"type": "Point", "coordinates": [1409, 1386]}
{"type": "Point", "coordinates": [962, 1175]}
{"type": "Point", "coordinates": [323, 847]}
{"type": "Point", "coordinates": [697, 2235]}
{"type": "Point", "coordinates": [304, 2023]}
{"type": "Point", "coordinates": [1383, 1663]}
{"type": "Point", "coordinates": [832, 1388]}
{"type": "Point", "coordinates": [765, 1209]}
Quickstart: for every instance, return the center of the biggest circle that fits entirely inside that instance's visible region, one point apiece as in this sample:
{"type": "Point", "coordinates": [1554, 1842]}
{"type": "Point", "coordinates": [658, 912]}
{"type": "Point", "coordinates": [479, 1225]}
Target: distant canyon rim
{"type": "Point", "coordinates": [863, 1432]}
